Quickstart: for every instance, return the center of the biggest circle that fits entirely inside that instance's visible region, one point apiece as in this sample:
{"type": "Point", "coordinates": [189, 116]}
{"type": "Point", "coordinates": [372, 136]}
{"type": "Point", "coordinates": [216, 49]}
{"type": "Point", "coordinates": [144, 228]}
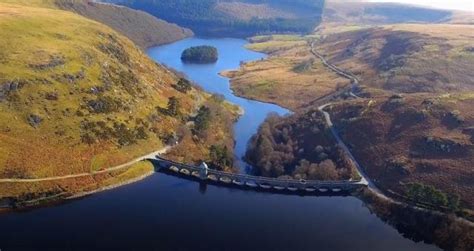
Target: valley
{"type": "Point", "coordinates": [96, 95]}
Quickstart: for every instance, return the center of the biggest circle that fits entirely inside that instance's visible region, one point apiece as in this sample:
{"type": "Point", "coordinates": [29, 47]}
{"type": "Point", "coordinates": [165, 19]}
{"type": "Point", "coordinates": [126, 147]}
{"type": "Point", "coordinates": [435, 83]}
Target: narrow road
{"type": "Point", "coordinates": [355, 83]}
{"type": "Point", "coordinates": [79, 175]}
{"type": "Point", "coordinates": [354, 80]}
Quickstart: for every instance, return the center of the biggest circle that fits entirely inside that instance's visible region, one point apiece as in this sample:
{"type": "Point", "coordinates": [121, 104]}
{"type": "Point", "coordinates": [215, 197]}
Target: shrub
{"type": "Point", "coordinates": [220, 157]}
{"type": "Point", "coordinates": [173, 107]}
{"type": "Point", "coordinates": [104, 104]}
{"type": "Point", "coordinates": [183, 85]}
{"type": "Point", "coordinates": [420, 193]}
{"type": "Point", "coordinates": [202, 119]}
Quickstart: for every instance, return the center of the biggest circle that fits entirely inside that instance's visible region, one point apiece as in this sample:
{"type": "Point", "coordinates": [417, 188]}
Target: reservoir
{"type": "Point", "coordinates": [167, 213]}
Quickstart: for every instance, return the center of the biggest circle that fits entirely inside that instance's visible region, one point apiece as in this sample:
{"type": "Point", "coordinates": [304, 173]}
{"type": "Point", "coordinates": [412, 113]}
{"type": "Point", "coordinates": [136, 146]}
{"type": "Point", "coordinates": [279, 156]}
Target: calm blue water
{"type": "Point", "coordinates": [231, 53]}
{"type": "Point", "coordinates": [167, 213]}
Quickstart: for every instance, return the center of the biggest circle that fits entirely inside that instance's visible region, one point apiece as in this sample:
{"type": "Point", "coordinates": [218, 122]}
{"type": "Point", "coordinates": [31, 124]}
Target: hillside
{"type": "Point", "coordinates": [407, 58]}
{"type": "Point", "coordinates": [77, 97]}
{"type": "Point", "coordinates": [366, 13]}
{"type": "Point", "coordinates": [234, 18]}
{"type": "Point", "coordinates": [424, 139]}
{"type": "Point", "coordinates": [142, 28]}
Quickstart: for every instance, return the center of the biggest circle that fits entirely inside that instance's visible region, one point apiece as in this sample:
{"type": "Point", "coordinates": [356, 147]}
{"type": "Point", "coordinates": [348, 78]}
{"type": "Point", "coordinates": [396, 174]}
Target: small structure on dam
{"type": "Point", "coordinates": [205, 174]}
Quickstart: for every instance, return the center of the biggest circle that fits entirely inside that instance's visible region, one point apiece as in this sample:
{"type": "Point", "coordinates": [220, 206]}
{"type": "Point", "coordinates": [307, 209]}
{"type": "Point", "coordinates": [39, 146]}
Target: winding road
{"type": "Point", "coordinates": [354, 85]}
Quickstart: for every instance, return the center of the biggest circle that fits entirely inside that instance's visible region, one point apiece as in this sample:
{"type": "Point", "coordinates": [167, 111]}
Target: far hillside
{"type": "Point", "coordinates": [142, 28]}
{"type": "Point", "coordinates": [405, 57]}
{"type": "Point", "coordinates": [365, 13]}
{"type": "Point", "coordinates": [235, 18]}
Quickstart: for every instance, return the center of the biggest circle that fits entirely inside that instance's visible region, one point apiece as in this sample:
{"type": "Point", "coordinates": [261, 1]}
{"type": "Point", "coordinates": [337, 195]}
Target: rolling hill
{"type": "Point", "coordinates": [77, 97]}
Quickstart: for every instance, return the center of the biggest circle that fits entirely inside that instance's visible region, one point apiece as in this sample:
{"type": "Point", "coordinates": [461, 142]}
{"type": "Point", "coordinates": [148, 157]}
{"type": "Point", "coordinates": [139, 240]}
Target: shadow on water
{"type": "Point", "coordinates": [445, 231]}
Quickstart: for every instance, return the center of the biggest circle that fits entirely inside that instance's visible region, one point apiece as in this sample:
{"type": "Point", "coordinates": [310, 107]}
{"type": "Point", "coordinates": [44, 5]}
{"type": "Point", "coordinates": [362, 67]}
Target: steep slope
{"type": "Point", "coordinates": [142, 28]}
{"type": "Point", "coordinates": [77, 97]}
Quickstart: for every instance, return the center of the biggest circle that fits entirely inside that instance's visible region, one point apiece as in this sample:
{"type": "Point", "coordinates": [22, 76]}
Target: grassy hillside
{"type": "Point", "coordinates": [142, 28]}
{"type": "Point", "coordinates": [78, 97]}
{"type": "Point", "coordinates": [235, 18]}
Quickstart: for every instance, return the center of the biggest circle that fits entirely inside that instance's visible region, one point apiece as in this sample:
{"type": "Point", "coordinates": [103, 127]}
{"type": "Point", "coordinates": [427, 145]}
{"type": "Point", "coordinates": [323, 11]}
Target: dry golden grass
{"type": "Point", "coordinates": [24, 192]}
{"type": "Point", "coordinates": [457, 34]}
{"type": "Point", "coordinates": [291, 76]}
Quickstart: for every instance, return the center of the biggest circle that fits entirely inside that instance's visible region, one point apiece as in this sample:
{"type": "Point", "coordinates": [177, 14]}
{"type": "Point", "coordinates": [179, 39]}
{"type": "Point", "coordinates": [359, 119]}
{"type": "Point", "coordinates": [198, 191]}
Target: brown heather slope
{"type": "Point", "coordinates": [406, 57]}
{"type": "Point", "coordinates": [418, 138]}
{"type": "Point", "coordinates": [78, 97]}
{"type": "Point", "coordinates": [142, 28]}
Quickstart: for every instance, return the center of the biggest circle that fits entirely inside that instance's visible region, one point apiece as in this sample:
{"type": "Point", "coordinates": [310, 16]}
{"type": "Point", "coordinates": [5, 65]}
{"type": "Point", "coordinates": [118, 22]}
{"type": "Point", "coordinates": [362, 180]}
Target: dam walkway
{"type": "Point", "coordinates": [205, 174]}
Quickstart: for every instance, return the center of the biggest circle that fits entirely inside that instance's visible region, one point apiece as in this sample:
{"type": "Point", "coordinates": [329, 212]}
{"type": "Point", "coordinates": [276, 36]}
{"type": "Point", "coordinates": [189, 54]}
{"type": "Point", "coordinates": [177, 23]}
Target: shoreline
{"type": "Point", "coordinates": [65, 196]}
{"type": "Point", "coordinates": [223, 74]}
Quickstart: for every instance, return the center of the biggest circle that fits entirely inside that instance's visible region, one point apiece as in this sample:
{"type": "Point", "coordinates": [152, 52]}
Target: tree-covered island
{"type": "Point", "coordinates": [200, 54]}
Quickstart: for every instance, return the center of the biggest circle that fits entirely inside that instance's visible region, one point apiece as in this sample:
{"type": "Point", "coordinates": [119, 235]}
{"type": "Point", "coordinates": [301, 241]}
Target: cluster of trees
{"type": "Point", "coordinates": [299, 146]}
{"type": "Point", "coordinates": [420, 193]}
{"type": "Point", "coordinates": [200, 54]}
{"type": "Point", "coordinates": [203, 18]}
{"type": "Point", "coordinates": [325, 170]}
{"type": "Point", "coordinates": [220, 157]}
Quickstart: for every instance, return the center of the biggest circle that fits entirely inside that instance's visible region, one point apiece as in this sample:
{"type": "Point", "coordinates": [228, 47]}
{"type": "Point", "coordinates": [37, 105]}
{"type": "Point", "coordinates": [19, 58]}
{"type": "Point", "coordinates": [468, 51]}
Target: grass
{"type": "Point", "coordinates": [279, 78]}
{"type": "Point", "coordinates": [23, 192]}
{"type": "Point", "coordinates": [47, 51]}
